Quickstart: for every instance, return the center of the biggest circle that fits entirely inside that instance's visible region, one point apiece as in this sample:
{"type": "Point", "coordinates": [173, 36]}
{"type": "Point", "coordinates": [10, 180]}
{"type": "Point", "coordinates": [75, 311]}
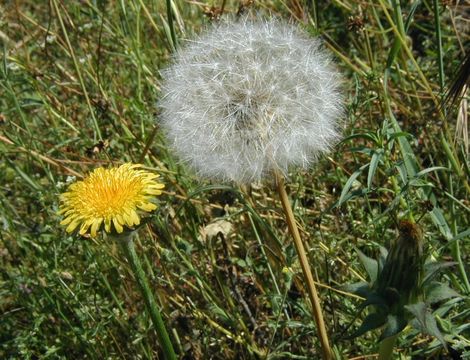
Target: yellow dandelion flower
{"type": "Point", "coordinates": [109, 196]}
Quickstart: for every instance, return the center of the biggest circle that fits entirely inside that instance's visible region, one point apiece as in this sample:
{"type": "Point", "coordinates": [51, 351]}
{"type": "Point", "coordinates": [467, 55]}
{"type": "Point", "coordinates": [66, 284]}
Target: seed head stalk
{"type": "Point", "coordinates": [249, 99]}
{"type": "Point", "coordinates": [311, 288]}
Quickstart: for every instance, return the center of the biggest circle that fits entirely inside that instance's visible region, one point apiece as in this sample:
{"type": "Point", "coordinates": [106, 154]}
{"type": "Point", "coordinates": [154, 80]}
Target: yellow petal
{"type": "Point", "coordinates": [154, 192]}
{"type": "Point", "coordinates": [84, 228]}
{"type": "Point", "coordinates": [107, 225]}
{"type": "Point", "coordinates": [117, 226]}
{"type": "Point", "coordinates": [72, 226]}
{"type": "Point", "coordinates": [66, 221]}
{"type": "Point", "coordinates": [95, 226]}
{"type": "Point", "coordinates": [120, 218]}
{"type": "Point", "coordinates": [147, 206]}
{"type": "Point", "coordinates": [135, 220]}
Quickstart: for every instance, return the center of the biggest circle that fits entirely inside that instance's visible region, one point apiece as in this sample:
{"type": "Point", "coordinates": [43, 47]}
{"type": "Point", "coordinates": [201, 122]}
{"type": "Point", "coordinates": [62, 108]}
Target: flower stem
{"type": "Point", "coordinates": [127, 243]}
{"type": "Point", "coordinates": [386, 347]}
{"type": "Point", "coordinates": [299, 247]}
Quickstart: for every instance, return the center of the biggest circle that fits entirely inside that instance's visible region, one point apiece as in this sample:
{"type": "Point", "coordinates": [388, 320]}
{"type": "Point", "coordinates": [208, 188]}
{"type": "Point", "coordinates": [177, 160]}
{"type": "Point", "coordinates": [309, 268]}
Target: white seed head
{"type": "Point", "coordinates": [248, 98]}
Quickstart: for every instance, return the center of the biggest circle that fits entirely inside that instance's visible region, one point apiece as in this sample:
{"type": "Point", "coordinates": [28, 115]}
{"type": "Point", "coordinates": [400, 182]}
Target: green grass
{"type": "Point", "coordinates": [78, 87]}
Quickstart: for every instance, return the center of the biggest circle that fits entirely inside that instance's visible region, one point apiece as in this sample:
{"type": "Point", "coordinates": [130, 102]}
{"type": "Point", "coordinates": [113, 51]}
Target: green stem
{"type": "Point", "coordinates": [127, 243]}
{"type": "Point", "coordinates": [171, 24]}
{"type": "Point", "coordinates": [386, 347]}
{"type": "Point", "coordinates": [461, 266]}
{"type": "Point", "coordinates": [440, 58]}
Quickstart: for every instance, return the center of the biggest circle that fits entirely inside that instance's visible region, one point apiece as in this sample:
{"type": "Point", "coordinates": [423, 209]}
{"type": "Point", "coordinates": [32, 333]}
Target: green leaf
{"type": "Point", "coordinates": [395, 324]}
{"type": "Point", "coordinates": [428, 170]}
{"type": "Point", "coordinates": [431, 269]}
{"type": "Point", "coordinates": [374, 162]}
{"type": "Point", "coordinates": [437, 291]}
{"type": "Point", "coordinates": [411, 13]}
{"type": "Point", "coordinates": [424, 321]}
{"type": "Point", "coordinates": [371, 322]}
{"type": "Point", "coordinates": [221, 314]}
{"type": "Point", "coordinates": [367, 136]}
{"type": "Point", "coordinates": [382, 258]}
{"type": "Point", "coordinates": [438, 218]}
{"type": "Point", "coordinates": [461, 235]}
{"type": "Point", "coordinates": [291, 324]}
{"type": "Point", "coordinates": [396, 135]}
{"type": "Point", "coordinates": [410, 170]}
{"type": "Point", "coordinates": [360, 288]}
{"type": "Point", "coordinates": [349, 183]}
{"type": "Point", "coordinates": [374, 299]}
{"type": "Point", "coordinates": [401, 168]}
{"type": "Point", "coordinates": [370, 265]}
{"type": "Point", "coordinates": [397, 43]}
{"type": "Point", "coordinates": [362, 150]}
{"type": "Point", "coordinates": [29, 180]}
{"type": "Point", "coordinates": [352, 194]}
{"type": "Point", "coordinates": [451, 305]}
{"type": "Point", "coordinates": [391, 206]}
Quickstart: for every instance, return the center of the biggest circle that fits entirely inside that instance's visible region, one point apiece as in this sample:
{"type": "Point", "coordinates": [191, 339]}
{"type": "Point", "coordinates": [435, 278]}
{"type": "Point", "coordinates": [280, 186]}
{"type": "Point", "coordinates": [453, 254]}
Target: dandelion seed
{"type": "Point", "coordinates": [247, 99]}
{"type": "Point", "coordinates": [109, 196]}
{"type": "Point", "coordinates": [50, 39]}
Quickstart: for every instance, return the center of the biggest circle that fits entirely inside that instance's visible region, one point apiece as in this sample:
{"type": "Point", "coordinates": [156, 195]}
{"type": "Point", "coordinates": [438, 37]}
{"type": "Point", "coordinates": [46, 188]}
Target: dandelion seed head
{"type": "Point", "coordinates": [248, 98]}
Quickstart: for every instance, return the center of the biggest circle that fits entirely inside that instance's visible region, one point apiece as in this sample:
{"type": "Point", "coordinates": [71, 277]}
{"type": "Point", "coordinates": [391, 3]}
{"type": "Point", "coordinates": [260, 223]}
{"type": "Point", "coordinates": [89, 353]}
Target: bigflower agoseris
{"type": "Point", "coordinates": [114, 196]}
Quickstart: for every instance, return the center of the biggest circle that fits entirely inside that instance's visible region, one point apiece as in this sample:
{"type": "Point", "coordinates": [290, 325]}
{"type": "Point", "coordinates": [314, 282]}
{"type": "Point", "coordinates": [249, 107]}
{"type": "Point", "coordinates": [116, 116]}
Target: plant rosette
{"type": "Point", "coordinates": [402, 288]}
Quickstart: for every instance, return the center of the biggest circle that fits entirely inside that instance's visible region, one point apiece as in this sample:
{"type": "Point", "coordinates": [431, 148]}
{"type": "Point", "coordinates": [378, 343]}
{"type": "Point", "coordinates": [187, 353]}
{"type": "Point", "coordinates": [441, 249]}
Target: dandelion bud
{"type": "Point", "coordinates": [399, 279]}
{"type": "Point", "coordinates": [249, 98]}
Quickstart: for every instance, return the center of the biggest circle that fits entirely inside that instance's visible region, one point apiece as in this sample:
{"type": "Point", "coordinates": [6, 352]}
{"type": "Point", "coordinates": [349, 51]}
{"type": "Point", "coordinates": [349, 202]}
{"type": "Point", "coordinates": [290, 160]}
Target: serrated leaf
{"type": "Point", "coordinates": [360, 288]}
{"type": "Point", "coordinates": [371, 322]}
{"type": "Point", "coordinates": [369, 264]}
{"type": "Point", "coordinates": [437, 292]}
{"type": "Point", "coordinates": [382, 258]}
{"type": "Point", "coordinates": [424, 321]}
{"type": "Point", "coordinates": [431, 269]}
{"type": "Point", "coordinates": [395, 324]}
{"type": "Point", "coordinates": [374, 299]}
{"type": "Point", "coordinates": [450, 305]}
